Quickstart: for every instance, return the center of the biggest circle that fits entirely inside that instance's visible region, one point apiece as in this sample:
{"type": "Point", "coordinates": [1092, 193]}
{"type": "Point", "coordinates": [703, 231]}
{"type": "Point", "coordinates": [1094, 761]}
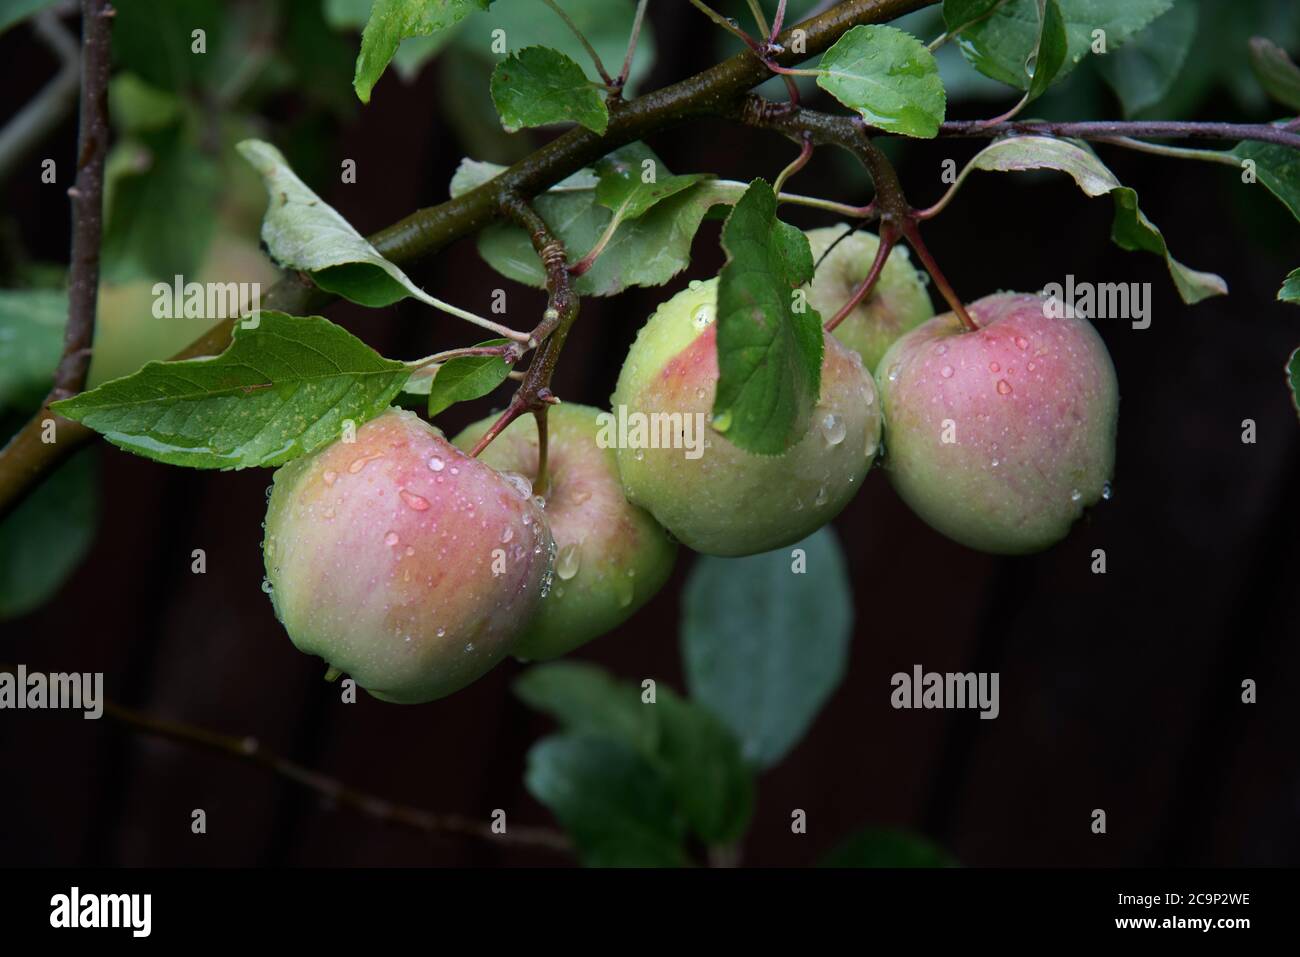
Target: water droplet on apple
{"type": "Point", "coordinates": [1022, 342]}
{"type": "Point", "coordinates": [1106, 492]}
{"type": "Point", "coordinates": [1004, 387]}
{"type": "Point", "coordinates": [362, 461]}
{"type": "Point", "coordinates": [437, 464]}
{"type": "Point", "coordinates": [566, 564]}
{"type": "Point", "coordinates": [946, 372]}
{"type": "Point", "coordinates": [833, 429]}
{"type": "Point", "coordinates": [520, 483]}
{"type": "Point", "coordinates": [417, 502]}
{"type": "Point", "coordinates": [1075, 495]}
{"type": "Point", "coordinates": [391, 539]}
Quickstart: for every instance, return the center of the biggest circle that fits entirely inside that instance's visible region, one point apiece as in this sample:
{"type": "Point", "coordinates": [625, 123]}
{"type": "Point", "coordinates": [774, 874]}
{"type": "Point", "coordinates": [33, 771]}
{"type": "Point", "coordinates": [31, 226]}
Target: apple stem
{"type": "Point", "coordinates": [888, 238]}
{"type": "Point", "coordinates": [541, 481]}
{"type": "Point", "coordinates": [912, 232]}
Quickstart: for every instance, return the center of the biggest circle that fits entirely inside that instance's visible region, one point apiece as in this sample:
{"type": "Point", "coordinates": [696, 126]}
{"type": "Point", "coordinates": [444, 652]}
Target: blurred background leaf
{"type": "Point", "coordinates": [764, 646]}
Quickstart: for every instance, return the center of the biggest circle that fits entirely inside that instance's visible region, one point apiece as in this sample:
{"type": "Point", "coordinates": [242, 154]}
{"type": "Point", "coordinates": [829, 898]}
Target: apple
{"type": "Point", "coordinates": [611, 557]}
{"type": "Point", "coordinates": [402, 561]}
{"type": "Point", "coordinates": [1000, 437]}
{"type": "Point", "coordinates": [899, 302]}
{"type": "Point", "coordinates": [715, 497]}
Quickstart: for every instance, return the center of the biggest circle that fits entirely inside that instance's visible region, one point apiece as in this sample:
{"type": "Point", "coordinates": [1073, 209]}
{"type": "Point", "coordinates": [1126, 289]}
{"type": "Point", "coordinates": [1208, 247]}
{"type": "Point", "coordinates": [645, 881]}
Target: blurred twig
{"type": "Point", "coordinates": [251, 751]}
{"type": "Point", "coordinates": [46, 110]}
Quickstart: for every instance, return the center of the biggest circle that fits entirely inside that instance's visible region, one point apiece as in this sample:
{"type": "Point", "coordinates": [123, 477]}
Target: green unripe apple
{"type": "Point", "coordinates": [402, 561]}
{"type": "Point", "coordinates": [898, 303]}
{"type": "Point", "coordinates": [1000, 437]}
{"type": "Point", "coordinates": [128, 334]}
{"type": "Point", "coordinates": [717, 498]}
{"type": "Point", "coordinates": [611, 557]}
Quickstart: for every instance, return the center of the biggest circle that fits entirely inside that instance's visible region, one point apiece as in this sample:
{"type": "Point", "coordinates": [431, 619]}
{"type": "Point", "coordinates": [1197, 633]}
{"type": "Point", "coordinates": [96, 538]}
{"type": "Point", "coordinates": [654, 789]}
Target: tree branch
{"type": "Point", "coordinates": [251, 751]}
{"type": "Point", "coordinates": [87, 200]}
{"type": "Point", "coordinates": [534, 393]}
{"type": "Point", "coordinates": [1111, 129]}
{"type": "Point", "coordinates": [27, 457]}
{"type": "Point", "coordinates": [717, 92]}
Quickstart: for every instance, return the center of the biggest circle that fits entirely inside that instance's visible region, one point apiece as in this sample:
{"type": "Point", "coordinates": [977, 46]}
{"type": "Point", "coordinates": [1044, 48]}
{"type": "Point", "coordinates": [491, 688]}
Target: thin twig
{"type": "Point", "coordinates": [534, 393]}
{"type": "Point", "coordinates": [1109, 129]}
{"type": "Point", "coordinates": [38, 118]}
{"type": "Point", "coordinates": [728, 24]}
{"type": "Point", "coordinates": [586, 44]}
{"type": "Point", "coordinates": [87, 201]}
{"type": "Point", "coordinates": [632, 39]}
{"type": "Point", "coordinates": [778, 21]}
{"type": "Point", "coordinates": [251, 751]}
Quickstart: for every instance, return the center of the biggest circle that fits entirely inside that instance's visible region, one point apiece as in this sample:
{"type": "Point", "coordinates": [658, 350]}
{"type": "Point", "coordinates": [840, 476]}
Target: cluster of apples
{"type": "Point", "coordinates": [415, 568]}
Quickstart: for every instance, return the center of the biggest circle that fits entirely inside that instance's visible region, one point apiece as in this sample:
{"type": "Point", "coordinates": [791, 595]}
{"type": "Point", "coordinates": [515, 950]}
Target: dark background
{"type": "Point", "coordinates": [1119, 691]}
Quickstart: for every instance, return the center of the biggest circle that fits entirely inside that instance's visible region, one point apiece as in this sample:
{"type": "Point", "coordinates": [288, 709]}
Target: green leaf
{"type": "Point", "coordinates": [1293, 378]}
{"type": "Point", "coordinates": [301, 231]}
{"type": "Point", "coordinates": [886, 848]}
{"type": "Point", "coordinates": [154, 40]}
{"type": "Point", "coordinates": [764, 645]}
{"type": "Point", "coordinates": [1130, 229]}
{"type": "Point", "coordinates": [646, 251]}
{"type": "Point", "coordinates": [1144, 70]}
{"type": "Point", "coordinates": [392, 21]}
{"type": "Point", "coordinates": [999, 43]}
{"type": "Point", "coordinates": [159, 215]}
{"type": "Point", "coordinates": [605, 24]}
{"type": "Point", "coordinates": [1277, 72]}
{"type": "Point", "coordinates": [1278, 168]}
{"type": "Point", "coordinates": [705, 769]}
{"type": "Point", "coordinates": [538, 86]}
{"type": "Point", "coordinates": [461, 379]}
{"type": "Point", "coordinates": [617, 809]}
{"type": "Point", "coordinates": [769, 354]}
{"type": "Point", "coordinates": [31, 343]}
{"type": "Point", "coordinates": [690, 749]}
{"type": "Point", "coordinates": [282, 389]}
{"type": "Point", "coordinates": [888, 76]}
{"type": "Point", "coordinates": [584, 698]}
{"type": "Point", "coordinates": [46, 537]}
{"type": "Point", "coordinates": [412, 53]}
{"type": "Point", "coordinates": [1050, 49]}
{"type": "Point", "coordinates": [622, 186]}
{"type": "Point", "coordinates": [1290, 291]}
{"type": "Point", "coordinates": [136, 107]}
